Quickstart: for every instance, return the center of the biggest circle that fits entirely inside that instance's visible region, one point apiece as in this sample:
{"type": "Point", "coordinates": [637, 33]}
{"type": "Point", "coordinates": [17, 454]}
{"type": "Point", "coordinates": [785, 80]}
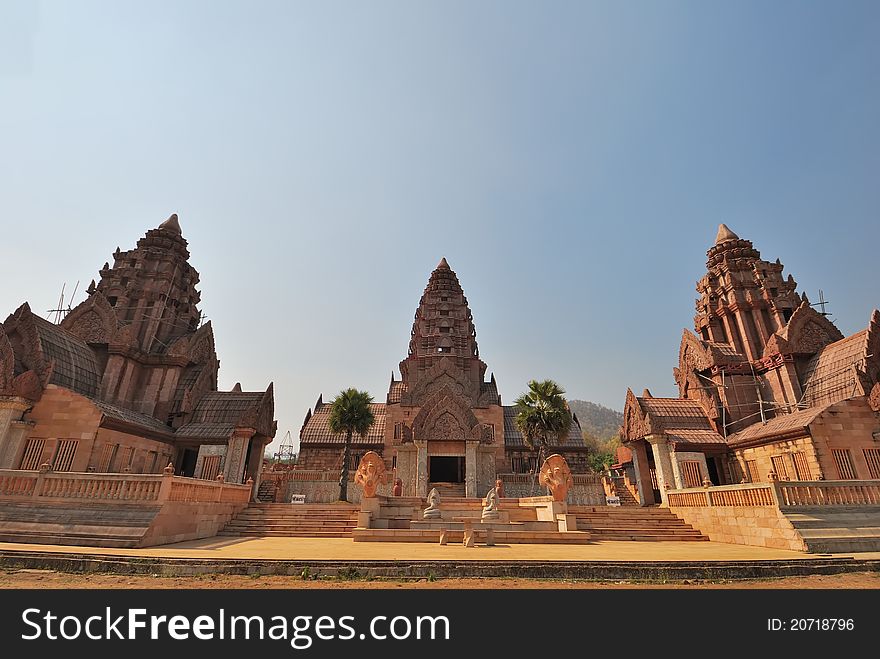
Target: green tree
{"type": "Point", "coordinates": [542, 414]}
{"type": "Point", "coordinates": [350, 413]}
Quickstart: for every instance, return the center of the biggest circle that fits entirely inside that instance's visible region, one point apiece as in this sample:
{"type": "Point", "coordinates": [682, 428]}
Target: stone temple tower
{"type": "Point", "coordinates": [743, 299]}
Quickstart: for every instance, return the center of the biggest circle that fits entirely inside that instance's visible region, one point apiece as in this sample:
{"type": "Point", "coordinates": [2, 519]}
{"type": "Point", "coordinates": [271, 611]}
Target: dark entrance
{"type": "Point", "coordinates": [445, 469]}
{"type": "Point", "coordinates": [712, 467]}
{"type": "Point", "coordinates": [188, 462]}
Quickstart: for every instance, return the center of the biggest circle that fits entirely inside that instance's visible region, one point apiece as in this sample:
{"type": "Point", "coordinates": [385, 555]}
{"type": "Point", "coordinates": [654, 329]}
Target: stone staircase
{"type": "Point", "coordinates": [836, 529]}
{"type": "Point", "coordinates": [626, 497]}
{"type": "Point", "coordinates": [109, 524]}
{"type": "Point", "coordinates": [334, 520]}
{"type": "Point", "coordinates": [448, 490]}
{"type": "Point", "coordinates": [633, 523]}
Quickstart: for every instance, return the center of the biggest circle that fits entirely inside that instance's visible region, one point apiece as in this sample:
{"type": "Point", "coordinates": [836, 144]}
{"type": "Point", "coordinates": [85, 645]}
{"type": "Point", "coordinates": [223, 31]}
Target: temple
{"type": "Point", "coordinates": [442, 423]}
{"type": "Point", "coordinates": [127, 382]}
{"type": "Point", "coordinates": [769, 388]}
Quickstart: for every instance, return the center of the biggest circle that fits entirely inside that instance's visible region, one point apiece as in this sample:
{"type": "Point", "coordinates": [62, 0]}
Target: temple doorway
{"type": "Point", "coordinates": [446, 469]}
{"type": "Point", "coordinates": [188, 462]}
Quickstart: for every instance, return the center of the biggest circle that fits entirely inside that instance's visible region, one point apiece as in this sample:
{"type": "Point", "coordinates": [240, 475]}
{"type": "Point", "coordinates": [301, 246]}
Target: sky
{"type": "Point", "coordinates": [571, 160]}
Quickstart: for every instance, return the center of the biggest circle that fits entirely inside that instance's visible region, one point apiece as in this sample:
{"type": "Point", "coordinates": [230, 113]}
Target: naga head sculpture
{"type": "Point", "coordinates": [371, 473]}
{"type": "Point", "coordinates": [556, 475]}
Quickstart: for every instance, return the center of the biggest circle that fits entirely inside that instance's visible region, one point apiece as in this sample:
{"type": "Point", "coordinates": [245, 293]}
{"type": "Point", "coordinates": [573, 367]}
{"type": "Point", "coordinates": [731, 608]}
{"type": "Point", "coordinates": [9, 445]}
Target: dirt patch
{"type": "Point", "coordinates": [43, 579]}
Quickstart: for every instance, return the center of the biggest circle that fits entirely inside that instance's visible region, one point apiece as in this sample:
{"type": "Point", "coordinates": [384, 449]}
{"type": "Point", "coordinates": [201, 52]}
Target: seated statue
{"type": "Point", "coordinates": [433, 509]}
{"type": "Point", "coordinates": [490, 510]}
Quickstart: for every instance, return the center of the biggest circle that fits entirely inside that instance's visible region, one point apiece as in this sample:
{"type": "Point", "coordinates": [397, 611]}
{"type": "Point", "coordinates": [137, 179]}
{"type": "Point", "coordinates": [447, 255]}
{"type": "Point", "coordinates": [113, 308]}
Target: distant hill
{"type": "Point", "coordinates": [600, 421]}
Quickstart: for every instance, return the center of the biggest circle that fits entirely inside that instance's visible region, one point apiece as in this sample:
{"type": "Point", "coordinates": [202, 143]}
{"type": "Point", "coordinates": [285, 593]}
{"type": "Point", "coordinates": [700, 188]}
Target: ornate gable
{"type": "Point", "coordinates": [93, 320]}
{"type": "Point", "coordinates": [808, 331]}
{"type": "Point", "coordinates": [635, 422]}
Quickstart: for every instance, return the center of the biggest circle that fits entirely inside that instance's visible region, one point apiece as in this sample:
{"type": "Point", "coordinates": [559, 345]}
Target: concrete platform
{"type": "Point", "coordinates": [290, 556]}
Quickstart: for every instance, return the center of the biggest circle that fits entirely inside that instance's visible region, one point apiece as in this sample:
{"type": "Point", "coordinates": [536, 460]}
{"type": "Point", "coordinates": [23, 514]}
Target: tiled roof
{"type": "Point", "coordinates": [317, 429]}
{"type": "Point", "coordinates": [727, 351]}
{"type": "Point", "coordinates": [206, 430]}
{"type": "Point", "coordinates": [777, 426]}
{"type": "Point", "coordinates": [695, 437]}
{"type": "Point", "coordinates": [490, 388]}
{"type": "Point", "coordinates": [829, 376]}
{"type": "Point", "coordinates": [224, 406]}
{"type": "Point", "coordinates": [76, 367]}
{"type": "Point", "coordinates": [131, 417]}
{"type": "Point", "coordinates": [676, 413]}
{"type": "Point", "coordinates": [513, 437]}
{"type": "Point", "coordinates": [396, 391]}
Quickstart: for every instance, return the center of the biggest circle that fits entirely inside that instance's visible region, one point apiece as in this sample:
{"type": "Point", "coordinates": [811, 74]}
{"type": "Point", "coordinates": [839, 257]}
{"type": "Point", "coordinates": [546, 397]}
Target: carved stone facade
{"type": "Point", "coordinates": [442, 422]}
{"type": "Point", "coordinates": [139, 370]}
{"type": "Point", "coordinates": [763, 369]}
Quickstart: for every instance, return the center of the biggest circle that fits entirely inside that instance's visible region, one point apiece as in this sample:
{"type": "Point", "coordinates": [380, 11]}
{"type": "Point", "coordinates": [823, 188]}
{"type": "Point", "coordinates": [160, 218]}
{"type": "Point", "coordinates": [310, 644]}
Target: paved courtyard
{"type": "Point", "coordinates": [345, 549]}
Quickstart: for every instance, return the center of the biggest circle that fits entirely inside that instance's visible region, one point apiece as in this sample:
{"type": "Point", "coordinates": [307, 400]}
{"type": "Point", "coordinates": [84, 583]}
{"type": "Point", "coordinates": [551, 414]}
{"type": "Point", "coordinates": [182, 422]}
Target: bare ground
{"type": "Point", "coordinates": [47, 579]}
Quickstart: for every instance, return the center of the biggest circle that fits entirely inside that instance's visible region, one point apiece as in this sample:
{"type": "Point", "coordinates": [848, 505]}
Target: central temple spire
{"type": "Point", "coordinates": [443, 327]}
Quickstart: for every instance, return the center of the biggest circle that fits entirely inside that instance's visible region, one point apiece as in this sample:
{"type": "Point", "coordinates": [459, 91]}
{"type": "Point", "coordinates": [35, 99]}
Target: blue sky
{"type": "Point", "coordinates": [571, 160]}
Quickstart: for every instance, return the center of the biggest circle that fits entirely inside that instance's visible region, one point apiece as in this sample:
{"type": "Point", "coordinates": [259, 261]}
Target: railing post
{"type": "Point", "coordinates": [41, 478]}
{"type": "Point", "coordinates": [220, 488]}
{"type": "Point", "coordinates": [167, 481]}
{"type": "Point", "coordinates": [776, 489]}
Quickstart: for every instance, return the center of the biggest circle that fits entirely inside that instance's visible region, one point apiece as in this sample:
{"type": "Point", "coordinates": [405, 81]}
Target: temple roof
{"type": "Point", "coordinates": [780, 425]}
{"type": "Point", "coordinates": [317, 428]}
{"type": "Point", "coordinates": [676, 413]}
{"type": "Point", "coordinates": [830, 374]}
{"type": "Point", "coordinates": [724, 234]}
{"type": "Point", "coordinates": [76, 366]}
{"type": "Point", "coordinates": [513, 437]}
{"type": "Point", "coordinates": [132, 418]}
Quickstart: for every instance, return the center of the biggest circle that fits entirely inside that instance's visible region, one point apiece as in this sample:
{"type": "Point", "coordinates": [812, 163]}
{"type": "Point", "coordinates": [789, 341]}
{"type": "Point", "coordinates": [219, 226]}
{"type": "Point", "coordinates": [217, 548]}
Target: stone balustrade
{"type": "Point", "coordinates": [784, 494]}
{"type": "Point", "coordinates": [19, 485]}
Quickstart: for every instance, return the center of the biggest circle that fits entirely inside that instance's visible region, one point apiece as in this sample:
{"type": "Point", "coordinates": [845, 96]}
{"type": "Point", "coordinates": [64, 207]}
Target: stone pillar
{"type": "Point", "coordinates": [421, 468]}
{"type": "Point", "coordinates": [643, 473]}
{"type": "Point", "coordinates": [254, 468]}
{"type": "Point", "coordinates": [407, 461]}
{"type": "Point", "coordinates": [236, 450]}
{"type": "Point", "coordinates": [470, 469]}
{"type": "Point", "coordinates": [662, 465]}
{"type": "Point", "coordinates": [13, 430]}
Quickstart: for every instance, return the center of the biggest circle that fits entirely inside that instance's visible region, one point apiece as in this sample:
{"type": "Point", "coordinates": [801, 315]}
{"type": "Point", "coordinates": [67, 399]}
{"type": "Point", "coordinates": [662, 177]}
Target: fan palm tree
{"type": "Point", "coordinates": [542, 414]}
{"type": "Point", "coordinates": [350, 413]}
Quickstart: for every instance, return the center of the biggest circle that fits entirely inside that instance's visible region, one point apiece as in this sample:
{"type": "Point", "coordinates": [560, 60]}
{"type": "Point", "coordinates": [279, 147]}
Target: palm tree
{"type": "Point", "coordinates": [542, 414]}
{"type": "Point", "coordinates": [350, 413]}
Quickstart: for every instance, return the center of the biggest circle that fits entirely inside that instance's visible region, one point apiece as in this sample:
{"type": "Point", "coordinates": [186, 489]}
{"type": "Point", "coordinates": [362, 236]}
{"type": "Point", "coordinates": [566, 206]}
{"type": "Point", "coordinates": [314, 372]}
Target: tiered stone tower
{"type": "Point", "coordinates": [443, 331]}
{"type": "Point", "coordinates": [743, 299]}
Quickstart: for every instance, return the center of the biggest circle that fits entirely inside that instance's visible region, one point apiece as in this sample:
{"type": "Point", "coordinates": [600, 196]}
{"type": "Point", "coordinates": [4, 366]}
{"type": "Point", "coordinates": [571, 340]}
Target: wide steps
{"type": "Point", "coordinates": [639, 524]}
{"type": "Point", "coordinates": [293, 521]}
{"type": "Point", "coordinates": [104, 524]}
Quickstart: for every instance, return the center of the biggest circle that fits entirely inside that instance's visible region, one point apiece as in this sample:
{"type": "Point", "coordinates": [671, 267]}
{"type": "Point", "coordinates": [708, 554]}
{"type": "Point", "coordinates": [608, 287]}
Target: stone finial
{"type": "Point", "coordinates": [249, 481]}
{"type": "Point", "coordinates": [443, 265]}
{"type": "Point", "coordinates": [45, 468]}
{"type": "Point", "coordinates": [169, 470]}
{"type": "Point", "coordinates": [772, 476]}
{"type": "Point", "coordinates": [171, 224]}
{"type": "Point", "coordinates": [556, 475]}
{"type": "Point", "coordinates": [219, 478]}
{"type": "Point", "coordinates": [499, 488]}
{"type": "Point", "coordinates": [724, 234]}
{"type": "Point", "coordinates": [707, 482]}
{"type": "Point", "coordinates": [433, 509]}
{"type": "Point", "coordinates": [237, 387]}
{"type": "Point", "coordinates": [371, 473]}
{"type": "Point", "coordinates": [490, 510]}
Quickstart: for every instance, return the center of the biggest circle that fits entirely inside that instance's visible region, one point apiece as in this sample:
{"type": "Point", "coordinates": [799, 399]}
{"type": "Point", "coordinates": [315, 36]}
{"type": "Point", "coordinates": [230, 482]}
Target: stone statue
{"type": "Point", "coordinates": [490, 510]}
{"type": "Point", "coordinates": [371, 473]}
{"type": "Point", "coordinates": [556, 475]}
{"type": "Point", "coordinates": [433, 509]}
{"type": "Point", "coordinates": [499, 488]}
{"type": "Point", "coordinates": [398, 488]}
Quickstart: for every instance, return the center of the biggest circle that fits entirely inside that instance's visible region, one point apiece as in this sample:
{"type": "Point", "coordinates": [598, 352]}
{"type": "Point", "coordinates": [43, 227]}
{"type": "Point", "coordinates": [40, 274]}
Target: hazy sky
{"type": "Point", "coordinates": [572, 161]}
